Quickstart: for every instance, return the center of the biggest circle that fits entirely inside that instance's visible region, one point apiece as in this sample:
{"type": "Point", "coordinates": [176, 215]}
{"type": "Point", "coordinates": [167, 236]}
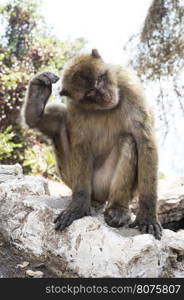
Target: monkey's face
{"type": "Point", "coordinates": [90, 83]}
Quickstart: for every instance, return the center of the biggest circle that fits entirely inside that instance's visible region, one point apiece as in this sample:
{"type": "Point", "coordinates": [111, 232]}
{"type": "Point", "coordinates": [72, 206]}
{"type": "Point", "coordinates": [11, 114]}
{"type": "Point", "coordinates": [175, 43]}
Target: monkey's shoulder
{"type": "Point", "coordinates": [127, 75]}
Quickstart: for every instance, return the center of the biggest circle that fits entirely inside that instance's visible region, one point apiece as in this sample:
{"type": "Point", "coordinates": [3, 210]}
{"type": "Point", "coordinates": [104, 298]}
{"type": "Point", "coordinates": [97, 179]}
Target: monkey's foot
{"type": "Point", "coordinates": [66, 217]}
{"type": "Point", "coordinates": [117, 216]}
{"type": "Point", "coordinates": [145, 226]}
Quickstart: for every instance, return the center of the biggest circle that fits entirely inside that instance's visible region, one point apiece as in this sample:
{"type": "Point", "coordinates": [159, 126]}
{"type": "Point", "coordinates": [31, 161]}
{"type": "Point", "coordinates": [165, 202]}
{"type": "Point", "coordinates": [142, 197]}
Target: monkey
{"type": "Point", "coordinates": [103, 140]}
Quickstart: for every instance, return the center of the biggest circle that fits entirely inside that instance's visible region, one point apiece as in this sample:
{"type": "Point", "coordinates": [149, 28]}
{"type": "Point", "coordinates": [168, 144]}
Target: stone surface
{"type": "Point", "coordinates": [36, 274]}
{"type": "Point", "coordinates": [171, 200]}
{"type": "Point", "coordinates": [88, 247]}
{"type": "Point", "coordinates": [8, 172]}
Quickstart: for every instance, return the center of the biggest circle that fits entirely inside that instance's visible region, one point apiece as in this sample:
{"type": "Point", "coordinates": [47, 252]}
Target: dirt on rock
{"type": "Point", "coordinates": [11, 263]}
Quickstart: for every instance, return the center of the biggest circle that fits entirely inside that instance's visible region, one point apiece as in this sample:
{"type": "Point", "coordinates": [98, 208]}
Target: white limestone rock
{"type": "Point", "coordinates": [88, 247]}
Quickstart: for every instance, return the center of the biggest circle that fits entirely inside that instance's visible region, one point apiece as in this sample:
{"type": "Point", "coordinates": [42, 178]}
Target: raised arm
{"type": "Point", "coordinates": [37, 114]}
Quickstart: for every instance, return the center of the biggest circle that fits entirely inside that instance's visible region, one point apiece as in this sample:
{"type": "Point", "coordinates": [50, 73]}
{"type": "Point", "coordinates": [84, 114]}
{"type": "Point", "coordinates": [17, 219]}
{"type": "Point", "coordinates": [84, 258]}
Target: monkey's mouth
{"type": "Point", "coordinates": [105, 99]}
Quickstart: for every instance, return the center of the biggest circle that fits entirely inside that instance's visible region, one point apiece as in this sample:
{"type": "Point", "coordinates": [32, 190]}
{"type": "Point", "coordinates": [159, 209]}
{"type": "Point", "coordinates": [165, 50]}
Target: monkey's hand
{"type": "Point", "coordinates": [45, 78]}
{"type": "Point", "coordinates": [39, 91]}
{"type": "Point", "coordinates": [66, 217]}
{"type": "Point", "coordinates": [117, 216]}
{"type": "Point", "coordinates": [146, 225]}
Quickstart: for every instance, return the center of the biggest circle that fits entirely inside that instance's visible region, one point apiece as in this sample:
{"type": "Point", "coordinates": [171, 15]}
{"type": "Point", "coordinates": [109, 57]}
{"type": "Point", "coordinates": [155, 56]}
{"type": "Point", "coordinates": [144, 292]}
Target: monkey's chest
{"type": "Point", "coordinates": [105, 152]}
{"type": "Point", "coordinates": [101, 140]}
{"type": "Point", "coordinates": [103, 172]}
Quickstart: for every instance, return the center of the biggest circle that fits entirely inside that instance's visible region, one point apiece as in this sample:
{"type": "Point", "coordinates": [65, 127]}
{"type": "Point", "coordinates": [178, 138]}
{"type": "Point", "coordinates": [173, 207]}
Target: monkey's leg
{"type": "Point", "coordinates": [80, 171]}
{"type": "Point", "coordinates": [146, 219]}
{"type": "Point", "coordinates": [123, 185]}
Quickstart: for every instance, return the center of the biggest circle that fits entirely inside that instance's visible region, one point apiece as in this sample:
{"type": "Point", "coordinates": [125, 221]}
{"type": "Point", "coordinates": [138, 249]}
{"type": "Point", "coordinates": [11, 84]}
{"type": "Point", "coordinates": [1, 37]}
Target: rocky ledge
{"type": "Point", "coordinates": [88, 247]}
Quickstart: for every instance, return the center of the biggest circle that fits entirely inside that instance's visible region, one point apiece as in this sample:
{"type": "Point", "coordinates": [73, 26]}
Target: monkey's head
{"type": "Point", "coordinates": [90, 83]}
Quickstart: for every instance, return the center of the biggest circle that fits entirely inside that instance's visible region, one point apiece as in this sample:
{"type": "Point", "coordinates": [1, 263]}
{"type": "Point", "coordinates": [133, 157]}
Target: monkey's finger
{"type": "Point", "coordinates": [157, 231]}
{"type": "Point", "coordinates": [112, 222]}
{"type": "Point", "coordinates": [57, 225]}
{"type": "Point", "coordinates": [45, 78]}
{"type": "Point", "coordinates": [151, 229]}
{"type": "Point", "coordinates": [56, 219]}
{"type": "Point", "coordinates": [160, 226]}
{"type": "Point", "coordinates": [51, 76]}
{"type": "Point", "coordinates": [111, 217]}
{"type": "Point", "coordinates": [66, 220]}
{"type": "Point", "coordinates": [62, 224]}
{"type": "Point", "coordinates": [61, 218]}
{"type": "Point", "coordinates": [143, 228]}
{"type": "Point", "coordinates": [132, 225]}
{"type": "Point", "coordinates": [122, 219]}
{"type": "Point", "coordinates": [117, 216]}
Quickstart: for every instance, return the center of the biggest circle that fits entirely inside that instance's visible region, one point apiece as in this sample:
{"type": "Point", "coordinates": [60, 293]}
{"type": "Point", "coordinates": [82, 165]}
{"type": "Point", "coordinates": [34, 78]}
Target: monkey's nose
{"type": "Point", "coordinates": [91, 93]}
{"type": "Point", "coordinates": [63, 92]}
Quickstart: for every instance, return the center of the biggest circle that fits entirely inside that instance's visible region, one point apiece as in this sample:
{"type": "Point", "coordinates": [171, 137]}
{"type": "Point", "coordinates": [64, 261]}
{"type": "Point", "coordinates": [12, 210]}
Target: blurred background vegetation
{"type": "Point", "coordinates": [157, 54]}
{"type": "Point", "coordinates": [28, 46]}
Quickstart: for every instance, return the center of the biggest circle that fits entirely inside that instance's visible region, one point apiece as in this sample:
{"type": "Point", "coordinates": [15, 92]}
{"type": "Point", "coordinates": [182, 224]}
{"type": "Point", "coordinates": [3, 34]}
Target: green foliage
{"type": "Point", "coordinates": [40, 160]}
{"type": "Point", "coordinates": [27, 46]}
{"type": "Point", "coordinates": [7, 146]}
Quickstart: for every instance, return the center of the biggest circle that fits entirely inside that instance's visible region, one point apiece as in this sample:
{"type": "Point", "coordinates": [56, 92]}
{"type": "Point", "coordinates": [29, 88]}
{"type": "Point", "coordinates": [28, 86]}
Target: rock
{"type": "Point", "coordinates": [23, 265]}
{"type": "Point", "coordinates": [8, 172]}
{"type": "Point", "coordinates": [171, 200]}
{"type": "Point", "coordinates": [15, 170]}
{"type": "Point", "coordinates": [58, 188]}
{"type": "Point", "coordinates": [88, 247]}
{"type": "Point", "coordinates": [16, 189]}
{"type": "Point", "coordinates": [37, 274]}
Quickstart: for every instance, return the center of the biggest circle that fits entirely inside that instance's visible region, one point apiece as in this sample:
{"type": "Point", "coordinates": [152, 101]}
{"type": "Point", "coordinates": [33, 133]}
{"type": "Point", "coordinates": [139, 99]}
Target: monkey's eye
{"type": "Point", "coordinates": [102, 77]}
{"type": "Point", "coordinates": [81, 79]}
{"type": "Point", "coordinates": [86, 79]}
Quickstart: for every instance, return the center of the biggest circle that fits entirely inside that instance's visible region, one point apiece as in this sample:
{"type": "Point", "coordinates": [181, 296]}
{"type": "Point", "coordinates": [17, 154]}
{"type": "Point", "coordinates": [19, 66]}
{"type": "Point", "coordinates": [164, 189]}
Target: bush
{"type": "Point", "coordinates": [40, 160]}
{"type": "Point", "coordinates": [7, 146]}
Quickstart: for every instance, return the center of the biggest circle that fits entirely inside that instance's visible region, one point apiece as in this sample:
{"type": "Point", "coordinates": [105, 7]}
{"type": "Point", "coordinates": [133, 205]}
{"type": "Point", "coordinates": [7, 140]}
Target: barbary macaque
{"type": "Point", "coordinates": [103, 140]}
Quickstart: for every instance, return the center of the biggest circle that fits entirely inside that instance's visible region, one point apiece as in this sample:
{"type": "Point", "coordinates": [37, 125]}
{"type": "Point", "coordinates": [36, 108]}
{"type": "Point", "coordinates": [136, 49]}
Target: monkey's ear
{"type": "Point", "coordinates": [95, 53]}
{"type": "Point", "coordinates": [63, 92]}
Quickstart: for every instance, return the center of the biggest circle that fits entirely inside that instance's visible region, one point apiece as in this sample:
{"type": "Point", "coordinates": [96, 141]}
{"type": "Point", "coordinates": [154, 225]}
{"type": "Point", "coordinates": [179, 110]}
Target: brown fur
{"type": "Point", "coordinates": [104, 140]}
